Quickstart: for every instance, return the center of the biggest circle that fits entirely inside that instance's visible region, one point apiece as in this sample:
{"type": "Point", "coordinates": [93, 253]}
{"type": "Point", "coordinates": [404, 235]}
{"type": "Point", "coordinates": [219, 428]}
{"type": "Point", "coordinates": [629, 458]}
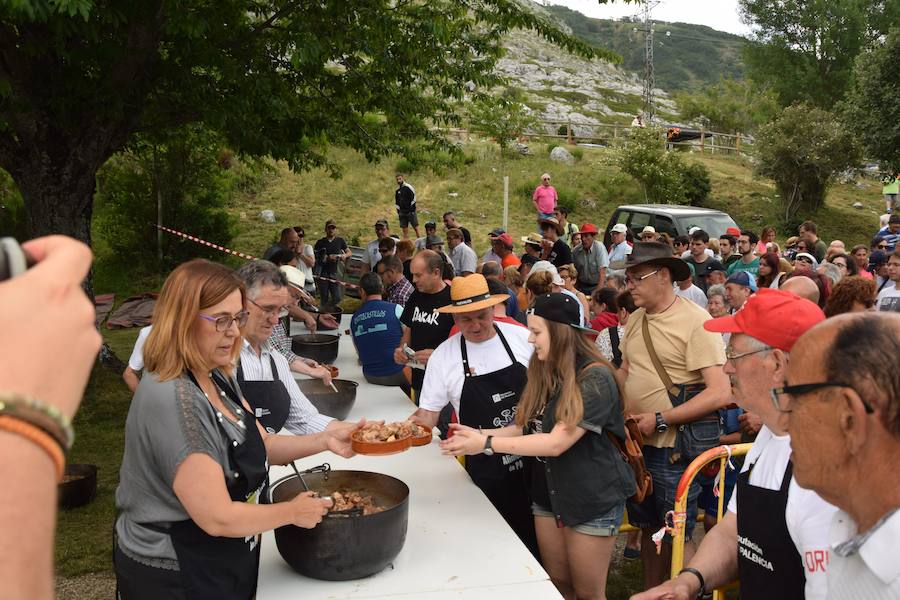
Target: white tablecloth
{"type": "Point", "coordinates": [457, 544]}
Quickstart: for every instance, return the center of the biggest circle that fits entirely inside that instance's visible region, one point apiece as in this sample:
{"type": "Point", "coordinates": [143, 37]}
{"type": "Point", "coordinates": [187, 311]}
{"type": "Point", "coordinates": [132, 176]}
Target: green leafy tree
{"type": "Point", "coordinates": [804, 49]}
{"type": "Point", "coordinates": [729, 106]}
{"type": "Point", "coordinates": [643, 156]}
{"type": "Point", "coordinates": [280, 78]}
{"type": "Point", "coordinates": [504, 117]}
{"type": "Point", "coordinates": [872, 107]}
{"type": "Point", "coordinates": [802, 151]}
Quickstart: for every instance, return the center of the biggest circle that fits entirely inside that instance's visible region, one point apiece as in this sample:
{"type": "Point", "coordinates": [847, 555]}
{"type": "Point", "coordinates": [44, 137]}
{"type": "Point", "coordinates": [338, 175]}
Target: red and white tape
{"type": "Point", "coordinates": [203, 242]}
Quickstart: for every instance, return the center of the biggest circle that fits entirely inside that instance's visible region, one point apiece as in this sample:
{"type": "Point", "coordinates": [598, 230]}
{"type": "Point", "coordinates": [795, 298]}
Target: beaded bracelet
{"type": "Point", "coordinates": [43, 416]}
{"type": "Point", "coordinates": [38, 436]}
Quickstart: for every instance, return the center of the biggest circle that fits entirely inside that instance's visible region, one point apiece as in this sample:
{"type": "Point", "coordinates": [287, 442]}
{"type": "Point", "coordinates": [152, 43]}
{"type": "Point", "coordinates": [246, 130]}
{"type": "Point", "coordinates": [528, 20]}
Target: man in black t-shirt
{"type": "Point", "coordinates": [330, 251]}
{"type": "Point", "coordinates": [450, 222]}
{"type": "Point", "coordinates": [554, 249]}
{"type": "Point", "coordinates": [424, 328]}
{"type": "Point", "coordinates": [702, 262]}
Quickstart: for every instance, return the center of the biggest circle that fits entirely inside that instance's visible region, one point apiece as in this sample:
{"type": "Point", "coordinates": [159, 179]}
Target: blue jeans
{"type": "Point", "coordinates": [651, 513]}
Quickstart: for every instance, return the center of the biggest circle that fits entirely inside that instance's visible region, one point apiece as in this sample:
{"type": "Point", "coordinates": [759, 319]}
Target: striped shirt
{"type": "Point", "coordinates": [303, 418]}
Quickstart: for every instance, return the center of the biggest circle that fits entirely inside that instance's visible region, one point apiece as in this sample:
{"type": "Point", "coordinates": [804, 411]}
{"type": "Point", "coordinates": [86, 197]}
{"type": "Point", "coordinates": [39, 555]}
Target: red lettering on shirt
{"type": "Point", "coordinates": [816, 560]}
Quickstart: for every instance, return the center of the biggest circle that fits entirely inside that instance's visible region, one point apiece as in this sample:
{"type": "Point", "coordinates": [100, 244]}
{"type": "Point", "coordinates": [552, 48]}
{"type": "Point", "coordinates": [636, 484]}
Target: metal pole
{"type": "Point", "coordinates": [506, 202]}
{"type": "Point", "coordinates": [159, 207]}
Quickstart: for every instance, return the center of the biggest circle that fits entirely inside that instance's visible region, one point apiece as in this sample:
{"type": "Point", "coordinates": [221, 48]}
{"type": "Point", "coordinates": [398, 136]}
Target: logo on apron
{"type": "Point", "coordinates": [507, 416]}
{"type": "Point", "coordinates": [501, 396]}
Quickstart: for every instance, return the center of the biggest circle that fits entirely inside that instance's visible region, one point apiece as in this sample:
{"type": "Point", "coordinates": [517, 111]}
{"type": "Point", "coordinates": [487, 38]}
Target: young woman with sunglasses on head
{"type": "Point", "coordinates": [569, 408]}
{"type": "Point", "coordinates": [195, 458]}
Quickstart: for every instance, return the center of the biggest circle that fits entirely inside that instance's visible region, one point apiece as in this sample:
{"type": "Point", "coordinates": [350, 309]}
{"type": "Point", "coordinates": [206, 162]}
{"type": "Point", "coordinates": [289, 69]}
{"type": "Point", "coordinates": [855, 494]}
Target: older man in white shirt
{"type": "Point", "coordinates": [843, 414]}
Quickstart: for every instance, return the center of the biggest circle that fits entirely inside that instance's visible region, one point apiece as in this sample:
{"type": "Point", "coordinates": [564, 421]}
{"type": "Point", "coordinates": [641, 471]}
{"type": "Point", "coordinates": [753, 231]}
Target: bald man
{"type": "Point", "coordinates": [842, 410]}
{"type": "Point", "coordinates": [802, 286]}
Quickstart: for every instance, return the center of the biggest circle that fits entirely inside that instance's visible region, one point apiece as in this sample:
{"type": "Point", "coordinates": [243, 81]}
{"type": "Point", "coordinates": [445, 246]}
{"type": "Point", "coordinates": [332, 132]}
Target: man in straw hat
{"type": "Point", "coordinates": [673, 380]}
{"type": "Point", "coordinates": [481, 374]}
{"type": "Point", "coordinates": [554, 248]}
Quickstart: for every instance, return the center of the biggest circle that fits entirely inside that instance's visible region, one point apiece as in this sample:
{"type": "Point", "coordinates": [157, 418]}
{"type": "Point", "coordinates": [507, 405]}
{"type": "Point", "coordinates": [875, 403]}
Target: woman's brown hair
{"type": "Point", "coordinates": [193, 286]}
{"type": "Point", "coordinates": [848, 290]}
{"type": "Point", "coordinates": [545, 377]}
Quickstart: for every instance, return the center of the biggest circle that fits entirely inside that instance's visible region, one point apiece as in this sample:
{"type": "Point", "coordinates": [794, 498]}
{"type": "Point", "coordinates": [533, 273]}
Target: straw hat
{"type": "Point", "coordinates": [470, 293]}
{"type": "Point", "coordinates": [554, 222]}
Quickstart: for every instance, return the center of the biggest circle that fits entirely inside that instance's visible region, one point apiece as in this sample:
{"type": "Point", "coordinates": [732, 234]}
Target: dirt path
{"type": "Point", "coordinates": [94, 586]}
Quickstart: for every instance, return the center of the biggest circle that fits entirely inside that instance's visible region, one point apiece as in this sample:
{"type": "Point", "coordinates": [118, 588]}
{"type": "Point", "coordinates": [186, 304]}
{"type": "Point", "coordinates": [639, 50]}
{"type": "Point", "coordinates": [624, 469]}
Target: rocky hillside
{"type": "Point", "coordinates": [566, 88]}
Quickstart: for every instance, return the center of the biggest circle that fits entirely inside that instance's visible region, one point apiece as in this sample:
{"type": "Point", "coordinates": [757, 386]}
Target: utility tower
{"type": "Point", "coordinates": [648, 6]}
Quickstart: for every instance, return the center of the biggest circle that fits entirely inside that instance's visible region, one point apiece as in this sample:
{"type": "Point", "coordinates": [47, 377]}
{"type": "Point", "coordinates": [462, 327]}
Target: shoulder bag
{"type": "Point", "coordinates": [691, 439]}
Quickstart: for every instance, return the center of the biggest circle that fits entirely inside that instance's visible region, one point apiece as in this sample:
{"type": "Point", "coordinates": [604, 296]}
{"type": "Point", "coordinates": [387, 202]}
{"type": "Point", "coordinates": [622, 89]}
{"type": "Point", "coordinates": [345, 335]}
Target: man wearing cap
{"type": "Point", "coordinates": [490, 255]}
{"type": "Point", "coordinates": [553, 248]}
{"type": "Point", "coordinates": [451, 222]}
{"type": "Point", "coordinates": [672, 373]}
{"type": "Point", "coordinates": [775, 533]}
{"type": "Point", "coordinates": [424, 328]}
{"type": "Point", "coordinates": [405, 201]}
{"type": "Point", "coordinates": [620, 248]}
{"type": "Point", "coordinates": [463, 258]}
{"type": "Point", "coordinates": [502, 245]}
{"type": "Point", "coordinates": [747, 249]}
{"type": "Point", "coordinates": [716, 275]}
{"type": "Point", "coordinates": [590, 259]}
{"type": "Point", "coordinates": [330, 251]}
{"type": "Point", "coordinates": [430, 229]}
{"type": "Point", "coordinates": [481, 374]}
{"type": "Point", "coordinates": [532, 244]}
{"type": "Point", "coordinates": [372, 253]}
{"type": "Point", "coordinates": [648, 234]}
{"type": "Point", "coordinates": [738, 288]}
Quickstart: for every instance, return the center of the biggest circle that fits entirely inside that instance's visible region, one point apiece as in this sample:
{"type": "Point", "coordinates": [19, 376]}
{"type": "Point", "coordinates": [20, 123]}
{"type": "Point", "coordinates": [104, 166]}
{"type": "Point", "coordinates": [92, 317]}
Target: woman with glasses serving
{"type": "Point", "coordinates": [195, 458]}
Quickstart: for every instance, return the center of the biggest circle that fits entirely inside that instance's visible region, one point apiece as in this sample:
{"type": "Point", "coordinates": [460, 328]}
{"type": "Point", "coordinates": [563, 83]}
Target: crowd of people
{"type": "Point", "coordinates": [528, 358]}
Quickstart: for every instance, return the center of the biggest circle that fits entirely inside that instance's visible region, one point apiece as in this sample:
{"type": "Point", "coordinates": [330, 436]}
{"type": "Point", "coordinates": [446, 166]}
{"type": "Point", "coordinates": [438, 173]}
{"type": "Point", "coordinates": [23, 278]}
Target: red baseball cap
{"type": "Point", "coordinates": [733, 231]}
{"type": "Point", "coordinates": [505, 238]}
{"type": "Point", "coordinates": [589, 228]}
{"type": "Point", "coordinates": [774, 317]}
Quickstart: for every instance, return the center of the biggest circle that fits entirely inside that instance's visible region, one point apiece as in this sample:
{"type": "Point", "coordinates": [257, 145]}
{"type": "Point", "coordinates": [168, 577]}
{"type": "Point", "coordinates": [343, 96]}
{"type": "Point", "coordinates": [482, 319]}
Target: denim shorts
{"type": "Point", "coordinates": [605, 525]}
{"type": "Point", "coordinates": [542, 216]}
{"type": "Point", "coordinates": [650, 513]}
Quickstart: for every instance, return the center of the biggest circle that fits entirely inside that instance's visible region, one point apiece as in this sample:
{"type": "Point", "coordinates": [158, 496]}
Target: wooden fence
{"type": "Point", "coordinates": [605, 134]}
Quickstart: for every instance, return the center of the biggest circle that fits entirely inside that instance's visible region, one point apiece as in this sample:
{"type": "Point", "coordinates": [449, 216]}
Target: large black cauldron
{"type": "Point", "coordinates": [326, 400]}
{"type": "Point", "coordinates": [345, 547]}
{"type": "Point", "coordinates": [320, 347]}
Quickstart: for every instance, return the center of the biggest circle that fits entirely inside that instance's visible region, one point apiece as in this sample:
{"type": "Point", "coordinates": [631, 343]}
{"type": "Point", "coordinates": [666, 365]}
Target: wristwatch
{"type": "Point", "coordinates": [661, 425]}
{"type": "Point", "coordinates": [487, 446]}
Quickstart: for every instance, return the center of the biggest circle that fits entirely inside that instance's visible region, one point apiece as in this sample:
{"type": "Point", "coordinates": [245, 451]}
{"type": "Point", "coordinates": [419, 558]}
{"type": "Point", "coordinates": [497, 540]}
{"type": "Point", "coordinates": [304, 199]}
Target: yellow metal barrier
{"type": "Point", "coordinates": [721, 454]}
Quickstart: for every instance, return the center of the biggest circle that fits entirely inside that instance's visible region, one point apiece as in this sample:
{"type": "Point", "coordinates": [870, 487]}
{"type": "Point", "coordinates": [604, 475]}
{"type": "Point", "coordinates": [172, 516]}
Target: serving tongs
{"type": "Point", "coordinates": [325, 468]}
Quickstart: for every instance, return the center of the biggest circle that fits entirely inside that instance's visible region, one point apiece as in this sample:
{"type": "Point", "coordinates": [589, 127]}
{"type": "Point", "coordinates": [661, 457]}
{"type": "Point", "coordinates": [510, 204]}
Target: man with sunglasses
{"type": "Point", "coordinates": [845, 436]}
{"type": "Point", "coordinates": [774, 535]}
{"type": "Point", "coordinates": [264, 374]}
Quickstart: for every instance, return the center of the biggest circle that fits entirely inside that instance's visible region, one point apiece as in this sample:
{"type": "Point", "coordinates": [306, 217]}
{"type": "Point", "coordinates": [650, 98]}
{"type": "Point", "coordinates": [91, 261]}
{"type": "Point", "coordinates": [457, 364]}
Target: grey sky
{"type": "Point", "coordinates": [718, 14]}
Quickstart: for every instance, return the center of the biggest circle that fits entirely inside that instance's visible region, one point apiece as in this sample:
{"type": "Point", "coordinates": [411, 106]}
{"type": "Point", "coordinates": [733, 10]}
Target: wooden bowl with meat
{"type": "Point", "coordinates": [385, 438]}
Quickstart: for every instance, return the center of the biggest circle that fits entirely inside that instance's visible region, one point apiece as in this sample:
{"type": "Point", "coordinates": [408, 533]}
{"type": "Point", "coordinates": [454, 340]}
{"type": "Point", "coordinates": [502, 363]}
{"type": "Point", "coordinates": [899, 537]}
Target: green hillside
{"type": "Point", "coordinates": [692, 55]}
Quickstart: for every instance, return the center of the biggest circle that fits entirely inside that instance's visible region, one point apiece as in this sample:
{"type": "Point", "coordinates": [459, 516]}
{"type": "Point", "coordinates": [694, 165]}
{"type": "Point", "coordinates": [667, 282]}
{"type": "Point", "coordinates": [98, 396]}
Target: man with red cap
{"type": "Point", "coordinates": [774, 536]}
{"type": "Point", "coordinates": [590, 259]}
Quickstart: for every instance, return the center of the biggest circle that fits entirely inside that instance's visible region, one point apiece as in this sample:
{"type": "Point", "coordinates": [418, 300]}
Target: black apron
{"type": "Point", "coordinates": [489, 401]}
{"type": "Point", "coordinates": [270, 399]}
{"type": "Point", "coordinates": [768, 561]}
{"type": "Point", "coordinates": [219, 568]}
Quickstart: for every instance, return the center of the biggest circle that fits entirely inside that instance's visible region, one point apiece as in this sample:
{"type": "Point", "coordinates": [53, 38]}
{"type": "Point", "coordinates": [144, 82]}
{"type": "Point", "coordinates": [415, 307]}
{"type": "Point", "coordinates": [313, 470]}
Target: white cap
{"type": "Point", "coordinates": [544, 265]}
{"type": "Point", "coordinates": [648, 229]}
{"type": "Point", "coordinates": [618, 228]}
{"type": "Point", "coordinates": [693, 229]}
{"type": "Point", "coordinates": [294, 276]}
